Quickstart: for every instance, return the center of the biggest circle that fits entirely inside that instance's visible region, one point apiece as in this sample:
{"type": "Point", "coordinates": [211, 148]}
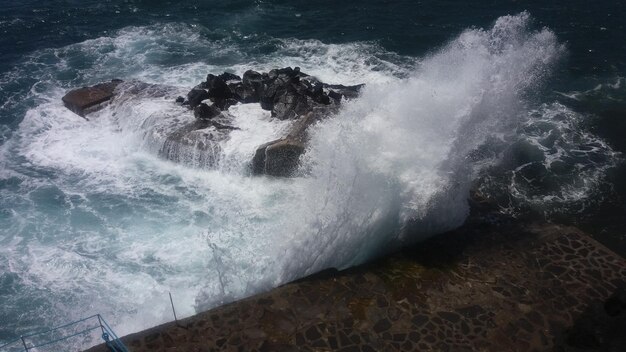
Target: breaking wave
{"type": "Point", "coordinates": [101, 222]}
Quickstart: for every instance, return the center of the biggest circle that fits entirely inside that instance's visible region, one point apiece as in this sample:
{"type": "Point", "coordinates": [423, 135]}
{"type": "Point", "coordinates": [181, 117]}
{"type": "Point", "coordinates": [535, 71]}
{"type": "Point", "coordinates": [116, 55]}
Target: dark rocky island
{"type": "Point", "coordinates": [288, 93]}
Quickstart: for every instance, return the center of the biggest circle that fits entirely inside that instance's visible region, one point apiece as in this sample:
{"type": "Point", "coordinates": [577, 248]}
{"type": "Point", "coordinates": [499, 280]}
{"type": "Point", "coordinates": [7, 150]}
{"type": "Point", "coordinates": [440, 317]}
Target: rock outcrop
{"type": "Point", "coordinates": [288, 93]}
{"type": "Point", "coordinates": [83, 101]}
{"type": "Point", "coordinates": [206, 112]}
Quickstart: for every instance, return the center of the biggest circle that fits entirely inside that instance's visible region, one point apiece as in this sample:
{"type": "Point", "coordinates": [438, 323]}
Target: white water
{"type": "Point", "coordinates": [100, 222]}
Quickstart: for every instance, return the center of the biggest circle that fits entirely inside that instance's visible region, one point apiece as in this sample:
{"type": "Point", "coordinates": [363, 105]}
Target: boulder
{"type": "Point", "coordinates": [281, 157]}
{"type": "Point", "coordinates": [196, 96]}
{"type": "Point", "coordinates": [287, 96]}
{"type": "Point", "coordinates": [334, 95]}
{"type": "Point", "coordinates": [236, 90]}
{"type": "Point", "coordinates": [226, 103]}
{"type": "Point", "coordinates": [315, 90]}
{"type": "Point", "coordinates": [252, 86]}
{"type": "Point", "coordinates": [290, 104]}
{"type": "Point", "coordinates": [278, 158]}
{"type": "Point", "coordinates": [272, 88]}
{"type": "Point", "coordinates": [227, 76]}
{"type": "Point", "coordinates": [337, 91]}
{"type": "Point", "coordinates": [83, 101]}
{"type": "Point", "coordinates": [206, 112]}
{"type": "Point", "coordinates": [288, 71]}
{"type": "Point", "coordinates": [217, 88]}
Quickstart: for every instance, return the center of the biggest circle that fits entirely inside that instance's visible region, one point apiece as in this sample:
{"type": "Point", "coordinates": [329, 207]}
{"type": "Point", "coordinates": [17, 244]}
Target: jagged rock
{"type": "Point", "coordinates": [237, 90]}
{"type": "Point", "coordinates": [334, 95]}
{"type": "Point", "coordinates": [84, 100]}
{"type": "Point", "coordinates": [196, 96]}
{"type": "Point", "coordinates": [206, 112]}
{"type": "Point", "coordinates": [224, 90]}
{"type": "Point", "coordinates": [287, 92]}
{"type": "Point", "coordinates": [339, 90]}
{"type": "Point", "coordinates": [230, 102]}
{"type": "Point", "coordinates": [273, 87]}
{"type": "Point", "coordinates": [315, 90]}
{"type": "Point", "coordinates": [291, 72]}
{"type": "Point", "coordinates": [217, 88]}
{"type": "Point", "coordinates": [290, 105]}
{"type": "Point", "coordinates": [252, 86]}
{"type": "Point", "coordinates": [273, 74]}
{"type": "Point", "coordinates": [224, 104]}
{"type": "Point", "coordinates": [227, 76]}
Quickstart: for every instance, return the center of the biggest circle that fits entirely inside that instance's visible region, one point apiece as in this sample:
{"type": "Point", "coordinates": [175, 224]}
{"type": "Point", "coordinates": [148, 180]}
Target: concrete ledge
{"type": "Point", "coordinates": [506, 288]}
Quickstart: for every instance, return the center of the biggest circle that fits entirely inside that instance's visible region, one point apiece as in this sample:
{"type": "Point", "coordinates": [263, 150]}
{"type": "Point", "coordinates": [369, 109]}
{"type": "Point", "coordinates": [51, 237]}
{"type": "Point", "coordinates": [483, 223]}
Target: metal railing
{"type": "Point", "coordinates": [83, 327]}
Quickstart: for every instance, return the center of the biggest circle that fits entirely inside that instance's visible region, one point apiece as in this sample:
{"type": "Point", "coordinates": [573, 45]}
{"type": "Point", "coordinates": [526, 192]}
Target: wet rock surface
{"type": "Point", "coordinates": [195, 97]}
{"type": "Point", "coordinates": [287, 92]}
{"type": "Point", "coordinates": [490, 288]}
{"type": "Point", "coordinates": [206, 112]}
{"type": "Point", "coordinates": [278, 158]}
{"type": "Point", "coordinates": [281, 157]}
{"type": "Point", "coordinates": [84, 100]}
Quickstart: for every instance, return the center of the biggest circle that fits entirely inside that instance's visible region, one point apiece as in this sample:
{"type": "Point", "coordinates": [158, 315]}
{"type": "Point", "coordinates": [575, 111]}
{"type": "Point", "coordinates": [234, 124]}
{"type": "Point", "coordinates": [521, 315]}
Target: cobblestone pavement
{"type": "Point", "coordinates": [521, 288]}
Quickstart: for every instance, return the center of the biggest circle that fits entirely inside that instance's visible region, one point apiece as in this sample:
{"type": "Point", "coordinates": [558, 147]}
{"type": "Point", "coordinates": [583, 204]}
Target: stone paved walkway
{"type": "Point", "coordinates": [539, 287]}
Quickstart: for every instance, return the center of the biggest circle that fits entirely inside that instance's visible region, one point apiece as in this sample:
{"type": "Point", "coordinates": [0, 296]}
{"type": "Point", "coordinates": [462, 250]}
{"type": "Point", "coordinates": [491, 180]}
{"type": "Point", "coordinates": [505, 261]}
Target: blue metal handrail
{"type": "Point", "coordinates": [65, 337]}
{"type": "Point", "coordinates": [60, 327]}
{"type": "Point", "coordinates": [116, 342]}
{"type": "Point", "coordinates": [111, 340]}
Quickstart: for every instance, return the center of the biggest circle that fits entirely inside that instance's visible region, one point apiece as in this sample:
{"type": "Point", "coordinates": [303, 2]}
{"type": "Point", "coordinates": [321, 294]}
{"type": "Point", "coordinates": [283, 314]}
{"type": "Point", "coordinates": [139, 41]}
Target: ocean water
{"type": "Point", "coordinates": [522, 101]}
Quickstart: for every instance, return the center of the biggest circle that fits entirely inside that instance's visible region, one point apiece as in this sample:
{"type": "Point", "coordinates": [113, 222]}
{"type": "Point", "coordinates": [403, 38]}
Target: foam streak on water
{"type": "Point", "coordinates": [93, 218]}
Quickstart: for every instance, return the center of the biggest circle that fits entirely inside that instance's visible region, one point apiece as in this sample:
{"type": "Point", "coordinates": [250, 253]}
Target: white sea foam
{"type": "Point", "coordinates": [398, 155]}
{"type": "Point", "coordinates": [105, 224]}
{"type": "Point", "coordinates": [613, 91]}
{"type": "Point", "coordinates": [570, 162]}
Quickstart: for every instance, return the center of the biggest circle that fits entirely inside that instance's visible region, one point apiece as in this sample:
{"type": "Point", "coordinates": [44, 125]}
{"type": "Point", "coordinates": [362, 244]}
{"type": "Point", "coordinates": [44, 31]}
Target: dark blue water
{"type": "Point", "coordinates": [532, 107]}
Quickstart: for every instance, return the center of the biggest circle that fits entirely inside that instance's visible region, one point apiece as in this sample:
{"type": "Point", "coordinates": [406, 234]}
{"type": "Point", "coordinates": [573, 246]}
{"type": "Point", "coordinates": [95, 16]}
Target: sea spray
{"type": "Point", "coordinates": [398, 156]}
{"type": "Point", "coordinates": [93, 217]}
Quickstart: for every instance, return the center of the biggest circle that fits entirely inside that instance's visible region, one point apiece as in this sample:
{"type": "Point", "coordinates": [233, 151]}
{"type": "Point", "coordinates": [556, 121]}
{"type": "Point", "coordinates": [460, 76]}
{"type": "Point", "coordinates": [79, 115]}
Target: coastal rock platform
{"type": "Point", "coordinates": [479, 288]}
{"type": "Point", "coordinates": [287, 93]}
